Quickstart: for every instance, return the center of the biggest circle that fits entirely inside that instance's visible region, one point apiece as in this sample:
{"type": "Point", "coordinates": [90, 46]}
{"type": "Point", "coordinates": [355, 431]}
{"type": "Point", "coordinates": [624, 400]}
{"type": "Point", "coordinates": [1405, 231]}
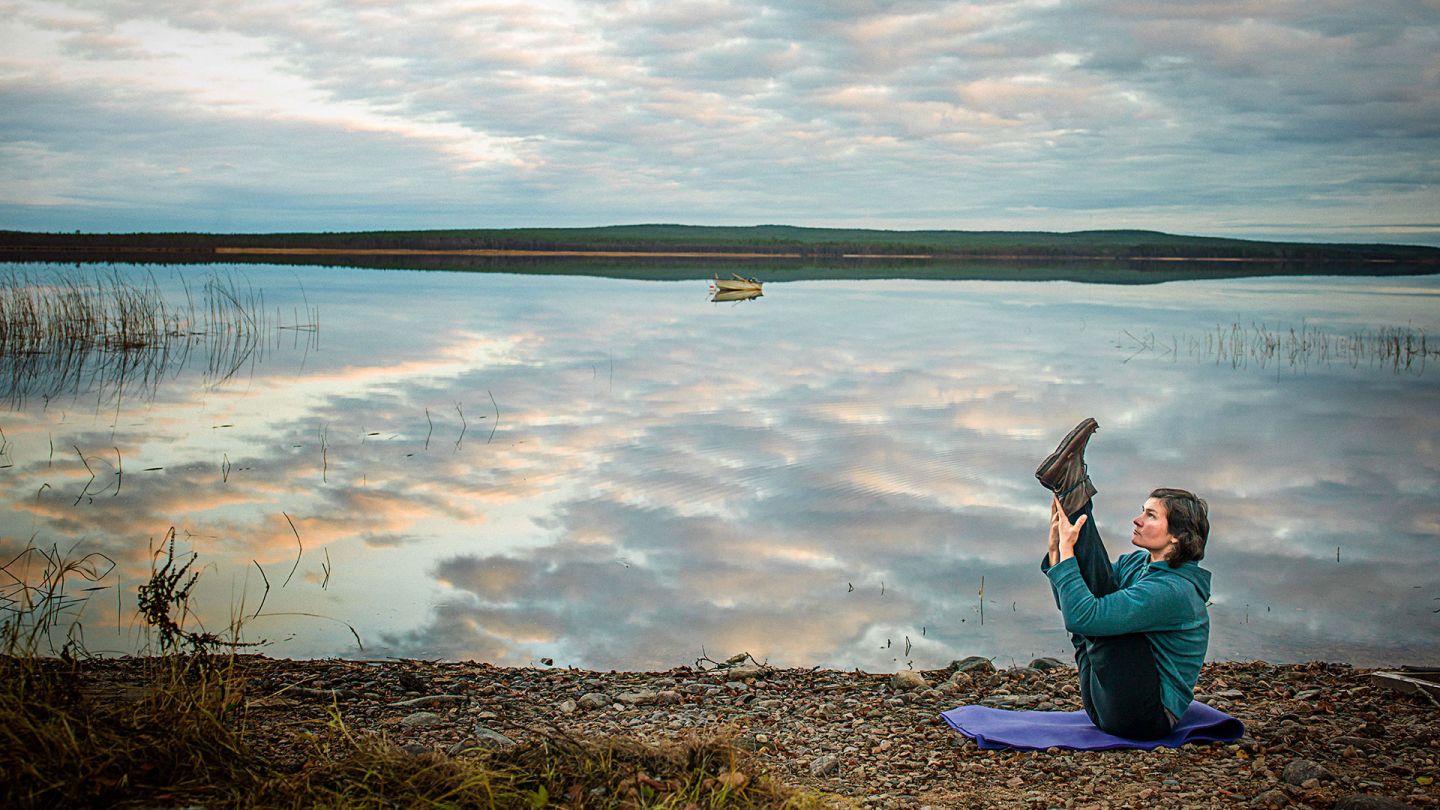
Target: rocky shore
{"type": "Point", "coordinates": [1319, 735]}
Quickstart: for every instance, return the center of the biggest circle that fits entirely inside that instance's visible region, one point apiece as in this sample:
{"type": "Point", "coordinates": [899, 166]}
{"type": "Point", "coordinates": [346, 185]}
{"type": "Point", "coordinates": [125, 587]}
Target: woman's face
{"type": "Point", "coordinates": [1152, 530]}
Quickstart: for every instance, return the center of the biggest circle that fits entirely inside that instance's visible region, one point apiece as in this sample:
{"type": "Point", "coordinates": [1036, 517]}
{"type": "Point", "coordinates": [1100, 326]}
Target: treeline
{"type": "Point", "coordinates": [767, 239]}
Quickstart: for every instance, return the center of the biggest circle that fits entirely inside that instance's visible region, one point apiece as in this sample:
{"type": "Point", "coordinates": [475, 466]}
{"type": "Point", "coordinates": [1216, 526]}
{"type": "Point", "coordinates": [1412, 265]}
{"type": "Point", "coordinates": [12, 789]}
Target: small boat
{"type": "Point", "coordinates": [736, 284]}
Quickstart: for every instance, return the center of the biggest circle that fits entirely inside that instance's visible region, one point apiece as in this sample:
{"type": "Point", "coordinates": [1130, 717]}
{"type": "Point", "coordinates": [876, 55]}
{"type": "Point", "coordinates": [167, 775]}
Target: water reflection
{"type": "Point", "coordinates": [721, 296]}
{"type": "Point", "coordinates": [735, 288]}
{"type": "Point", "coordinates": [497, 473]}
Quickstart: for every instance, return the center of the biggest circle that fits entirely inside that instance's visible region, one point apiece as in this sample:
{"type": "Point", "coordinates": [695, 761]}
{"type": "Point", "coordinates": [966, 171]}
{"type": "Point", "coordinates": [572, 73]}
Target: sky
{"type": "Point", "coordinates": [1303, 119]}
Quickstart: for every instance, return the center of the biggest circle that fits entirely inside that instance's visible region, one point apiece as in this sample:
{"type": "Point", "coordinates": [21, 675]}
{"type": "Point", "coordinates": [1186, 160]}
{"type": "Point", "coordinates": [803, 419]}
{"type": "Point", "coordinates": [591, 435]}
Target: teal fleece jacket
{"type": "Point", "coordinates": [1166, 604]}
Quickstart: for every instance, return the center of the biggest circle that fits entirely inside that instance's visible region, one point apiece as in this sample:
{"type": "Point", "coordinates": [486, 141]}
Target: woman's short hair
{"type": "Point", "coordinates": [1188, 517]}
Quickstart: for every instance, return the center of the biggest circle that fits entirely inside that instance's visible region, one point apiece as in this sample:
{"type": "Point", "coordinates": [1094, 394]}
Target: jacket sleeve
{"type": "Point", "coordinates": [1045, 569]}
{"type": "Point", "coordinates": [1153, 603]}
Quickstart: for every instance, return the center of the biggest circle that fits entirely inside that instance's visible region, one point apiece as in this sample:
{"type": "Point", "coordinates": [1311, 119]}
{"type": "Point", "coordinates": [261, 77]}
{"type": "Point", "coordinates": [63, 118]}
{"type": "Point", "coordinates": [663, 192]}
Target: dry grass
{"type": "Point", "coordinates": [700, 772]}
{"type": "Point", "coordinates": [65, 746]}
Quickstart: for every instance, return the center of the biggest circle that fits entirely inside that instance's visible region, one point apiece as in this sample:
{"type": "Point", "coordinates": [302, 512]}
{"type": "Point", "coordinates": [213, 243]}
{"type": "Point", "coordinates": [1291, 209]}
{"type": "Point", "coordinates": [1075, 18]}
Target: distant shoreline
{"type": "Point", "coordinates": [754, 243]}
{"type": "Point", "coordinates": [693, 254]}
{"type": "Point", "coordinates": [632, 254]}
{"type": "Point", "coordinates": [120, 250]}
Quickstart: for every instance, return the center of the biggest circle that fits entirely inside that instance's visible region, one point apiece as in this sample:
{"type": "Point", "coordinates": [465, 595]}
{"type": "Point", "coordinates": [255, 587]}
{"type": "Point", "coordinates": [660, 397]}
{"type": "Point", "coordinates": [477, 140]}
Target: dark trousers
{"type": "Point", "coordinates": [1119, 682]}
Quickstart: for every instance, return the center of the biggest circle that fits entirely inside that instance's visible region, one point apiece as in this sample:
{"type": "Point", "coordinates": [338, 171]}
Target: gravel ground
{"type": "Point", "coordinates": [1318, 735]}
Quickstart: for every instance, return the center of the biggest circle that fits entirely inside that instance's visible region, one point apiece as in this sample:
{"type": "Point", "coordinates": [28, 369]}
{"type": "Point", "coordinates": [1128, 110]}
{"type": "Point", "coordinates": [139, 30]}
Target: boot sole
{"type": "Point", "coordinates": [1074, 439]}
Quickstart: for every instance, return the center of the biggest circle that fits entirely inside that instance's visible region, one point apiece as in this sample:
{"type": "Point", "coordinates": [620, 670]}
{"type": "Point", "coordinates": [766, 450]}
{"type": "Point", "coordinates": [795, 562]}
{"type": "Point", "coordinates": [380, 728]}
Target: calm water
{"type": "Point", "coordinates": [622, 474]}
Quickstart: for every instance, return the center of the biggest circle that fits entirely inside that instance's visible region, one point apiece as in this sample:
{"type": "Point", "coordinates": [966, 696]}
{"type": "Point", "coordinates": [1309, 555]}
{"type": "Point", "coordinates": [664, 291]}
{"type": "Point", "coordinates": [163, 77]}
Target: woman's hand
{"type": "Point", "coordinates": [1063, 532]}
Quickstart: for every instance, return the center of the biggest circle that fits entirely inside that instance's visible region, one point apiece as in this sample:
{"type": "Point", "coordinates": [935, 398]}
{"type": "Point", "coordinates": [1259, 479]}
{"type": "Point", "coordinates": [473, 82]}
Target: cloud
{"type": "Point", "coordinates": [1195, 117]}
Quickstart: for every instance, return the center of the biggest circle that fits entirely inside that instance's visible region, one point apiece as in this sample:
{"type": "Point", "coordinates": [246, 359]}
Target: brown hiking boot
{"type": "Point", "coordinates": [1063, 472]}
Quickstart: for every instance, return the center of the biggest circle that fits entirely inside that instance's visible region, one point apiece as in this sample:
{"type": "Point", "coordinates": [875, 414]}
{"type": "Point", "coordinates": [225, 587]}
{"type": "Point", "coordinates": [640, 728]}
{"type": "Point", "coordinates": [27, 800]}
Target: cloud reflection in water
{"type": "Point", "coordinates": [812, 477]}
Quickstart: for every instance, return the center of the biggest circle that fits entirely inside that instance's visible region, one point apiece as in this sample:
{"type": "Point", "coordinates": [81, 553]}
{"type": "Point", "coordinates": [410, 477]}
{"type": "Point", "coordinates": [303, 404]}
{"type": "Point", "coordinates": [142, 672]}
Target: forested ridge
{"type": "Point", "coordinates": [764, 239]}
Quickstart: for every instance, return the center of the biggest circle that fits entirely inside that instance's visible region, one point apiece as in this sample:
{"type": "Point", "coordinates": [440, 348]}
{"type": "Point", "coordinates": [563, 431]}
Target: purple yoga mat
{"type": "Point", "coordinates": [1036, 731]}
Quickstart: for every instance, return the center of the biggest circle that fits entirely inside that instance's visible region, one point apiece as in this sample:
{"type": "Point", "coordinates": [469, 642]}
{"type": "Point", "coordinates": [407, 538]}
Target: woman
{"type": "Point", "coordinates": [1140, 626]}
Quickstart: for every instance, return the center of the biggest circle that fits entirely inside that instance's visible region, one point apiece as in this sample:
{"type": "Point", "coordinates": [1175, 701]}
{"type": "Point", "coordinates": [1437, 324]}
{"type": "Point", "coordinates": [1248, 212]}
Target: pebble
{"type": "Point", "coordinates": [1362, 742]}
{"type": "Point", "coordinates": [1298, 771]}
{"type": "Point", "coordinates": [1272, 798]}
{"type": "Point", "coordinates": [421, 720]}
{"type": "Point", "coordinates": [906, 680]}
{"type": "Point", "coordinates": [733, 780]}
{"type": "Point", "coordinates": [1365, 801]}
{"type": "Point", "coordinates": [322, 694]}
{"type": "Point", "coordinates": [973, 663]}
{"type": "Point", "coordinates": [432, 700]}
{"type": "Point", "coordinates": [594, 700]}
{"type": "Point", "coordinates": [490, 738]}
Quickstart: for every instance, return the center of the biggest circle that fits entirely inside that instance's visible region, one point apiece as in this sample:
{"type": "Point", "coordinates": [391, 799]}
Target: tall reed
{"type": "Point", "coordinates": [119, 333]}
{"type": "Point", "coordinates": [1398, 349]}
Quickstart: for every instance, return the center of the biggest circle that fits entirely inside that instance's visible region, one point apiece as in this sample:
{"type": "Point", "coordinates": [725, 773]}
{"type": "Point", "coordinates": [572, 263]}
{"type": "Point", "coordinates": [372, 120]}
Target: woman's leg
{"type": "Point", "coordinates": [1119, 682]}
{"type": "Point", "coordinates": [1120, 685]}
{"type": "Point", "coordinates": [1090, 554]}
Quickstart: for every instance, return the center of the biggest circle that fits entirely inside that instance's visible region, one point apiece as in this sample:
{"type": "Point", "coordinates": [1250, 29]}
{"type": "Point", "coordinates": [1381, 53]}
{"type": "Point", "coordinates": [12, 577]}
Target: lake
{"type": "Point", "coordinates": [620, 473]}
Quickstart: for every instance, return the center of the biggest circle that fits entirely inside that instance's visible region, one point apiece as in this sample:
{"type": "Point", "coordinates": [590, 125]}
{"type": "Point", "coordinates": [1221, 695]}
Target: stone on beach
{"type": "Point", "coordinates": [432, 700]}
{"type": "Point", "coordinates": [421, 720]}
{"type": "Point", "coordinates": [974, 663]}
{"type": "Point", "coordinates": [490, 738]}
{"type": "Point", "coordinates": [1365, 801]}
{"type": "Point", "coordinates": [824, 765]}
{"type": "Point", "coordinates": [594, 700]}
{"type": "Point", "coordinates": [638, 697]}
{"type": "Point", "coordinates": [906, 680]}
{"type": "Point", "coordinates": [1299, 771]}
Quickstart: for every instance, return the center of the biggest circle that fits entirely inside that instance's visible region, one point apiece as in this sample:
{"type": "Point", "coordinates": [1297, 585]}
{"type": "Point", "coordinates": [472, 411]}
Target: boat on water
{"type": "Point", "coordinates": [736, 284]}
